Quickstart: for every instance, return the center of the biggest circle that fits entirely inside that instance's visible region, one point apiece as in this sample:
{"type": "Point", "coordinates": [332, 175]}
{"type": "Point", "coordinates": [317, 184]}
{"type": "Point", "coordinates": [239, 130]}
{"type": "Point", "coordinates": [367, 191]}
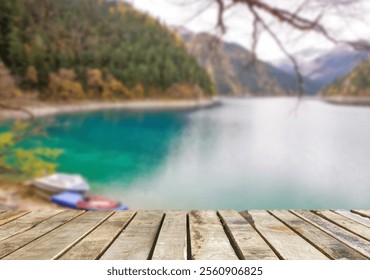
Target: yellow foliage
{"type": "Point", "coordinates": [139, 91]}
{"type": "Point", "coordinates": [184, 91]}
{"type": "Point", "coordinates": [122, 9]}
{"type": "Point", "coordinates": [114, 88]}
{"type": "Point", "coordinates": [95, 82]}
{"type": "Point", "coordinates": [31, 162]}
{"type": "Point", "coordinates": [35, 162]}
{"type": "Point", "coordinates": [31, 75]}
{"type": "Point", "coordinates": [112, 10]}
{"type": "Point", "coordinates": [8, 88]}
{"type": "Point", "coordinates": [64, 86]}
{"type": "Point", "coordinates": [6, 140]}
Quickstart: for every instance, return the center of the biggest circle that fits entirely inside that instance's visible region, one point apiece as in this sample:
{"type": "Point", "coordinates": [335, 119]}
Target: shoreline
{"type": "Point", "coordinates": [17, 196]}
{"type": "Point", "coordinates": [346, 100]}
{"type": "Point", "coordinates": [51, 109]}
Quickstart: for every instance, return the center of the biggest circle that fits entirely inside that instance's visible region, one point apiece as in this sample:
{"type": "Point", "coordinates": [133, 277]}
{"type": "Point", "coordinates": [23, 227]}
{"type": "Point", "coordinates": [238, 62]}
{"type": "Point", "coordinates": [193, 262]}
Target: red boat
{"type": "Point", "coordinates": [93, 202]}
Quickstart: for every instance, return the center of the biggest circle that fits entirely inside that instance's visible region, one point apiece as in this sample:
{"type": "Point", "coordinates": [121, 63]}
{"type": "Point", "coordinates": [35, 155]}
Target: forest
{"type": "Point", "coordinates": [93, 49]}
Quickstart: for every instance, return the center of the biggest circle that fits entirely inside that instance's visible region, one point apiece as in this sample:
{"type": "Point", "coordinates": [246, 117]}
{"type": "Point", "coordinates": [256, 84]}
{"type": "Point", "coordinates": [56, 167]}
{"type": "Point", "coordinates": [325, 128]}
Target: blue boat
{"type": "Point", "coordinates": [77, 200]}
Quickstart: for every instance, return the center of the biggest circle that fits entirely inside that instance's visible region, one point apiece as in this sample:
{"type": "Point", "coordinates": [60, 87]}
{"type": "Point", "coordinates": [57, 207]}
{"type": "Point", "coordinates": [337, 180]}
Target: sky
{"type": "Point", "coordinates": [199, 16]}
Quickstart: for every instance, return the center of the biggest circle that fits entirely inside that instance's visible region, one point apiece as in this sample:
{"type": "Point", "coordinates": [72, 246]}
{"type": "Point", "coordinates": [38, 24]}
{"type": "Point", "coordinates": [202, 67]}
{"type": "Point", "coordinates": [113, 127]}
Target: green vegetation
{"type": "Point", "coordinates": [356, 83]}
{"type": "Point", "coordinates": [29, 162]}
{"type": "Point", "coordinates": [93, 49]}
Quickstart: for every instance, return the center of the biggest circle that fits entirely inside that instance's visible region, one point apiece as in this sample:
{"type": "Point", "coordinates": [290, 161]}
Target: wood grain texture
{"type": "Point", "coordinates": [365, 213]}
{"type": "Point", "coordinates": [57, 242]}
{"type": "Point", "coordinates": [360, 219]}
{"type": "Point", "coordinates": [94, 244]}
{"type": "Point", "coordinates": [172, 239]}
{"type": "Point", "coordinates": [348, 224]}
{"type": "Point", "coordinates": [25, 222]}
{"type": "Point", "coordinates": [286, 242]}
{"type": "Point", "coordinates": [249, 243]}
{"type": "Point", "coordinates": [332, 248]}
{"type": "Point", "coordinates": [137, 240]}
{"type": "Point", "coordinates": [13, 243]}
{"type": "Point", "coordinates": [208, 238]}
{"type": "Point", "coordinates": [339, 233]}
{"type": "Point", "coordinates": [6, 217]}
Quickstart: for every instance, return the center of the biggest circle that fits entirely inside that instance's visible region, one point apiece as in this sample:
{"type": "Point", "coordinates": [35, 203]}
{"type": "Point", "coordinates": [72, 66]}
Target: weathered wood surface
{"type": "Point", "coordinates": [54, 244]}
{"type": "Point", "coordinates": [346, 223]}
{"type": "Point", "coordinates": [10, 216]}
{"type": "Point", "coordinates": [327, 244]}
{"type": "Point", "coordinates": [352, 240]}
{"type": "Point", "coordinates": [362, 220]}
{"type": "Point", "coordinates": [170, 235]}
{"type": "Point", "coordinates": [285, 241]}
{"type": "Point", "coordinates": [137, 240]}
{"type": "Point", "coordinates": [15, 242]}
{"type": "Point", "coordinates": [365, 213]}
{"type": "Point", "coordinates": [94, 244]}
{"type": "Point", "coordinates": [207, 237]}
{"type": "Point", "coordinates": [172, 239]}
{"type": "Point", "coordinates": [250, 245]}
{"type": "Point", "coordinates": [24, 223]}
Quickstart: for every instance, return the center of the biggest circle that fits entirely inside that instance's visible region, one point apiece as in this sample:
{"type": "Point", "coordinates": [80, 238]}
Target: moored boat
{"type": "Point", "coordinates": [59, 182]}
{"type": "Point", "coordinates": [76, 200]}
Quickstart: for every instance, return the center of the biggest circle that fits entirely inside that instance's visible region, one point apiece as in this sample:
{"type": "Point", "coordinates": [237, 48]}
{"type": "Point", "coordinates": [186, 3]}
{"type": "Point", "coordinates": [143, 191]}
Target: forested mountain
{"type": "Point", "coordinates": [79, 49]}
{"type": "Point", "coordinates": [228, 65]}
{"type": "Point", "coordinates": [356, 83]}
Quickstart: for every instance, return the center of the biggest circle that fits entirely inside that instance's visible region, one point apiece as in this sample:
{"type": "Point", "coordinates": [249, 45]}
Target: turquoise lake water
{"type": "Point", "coordinates": [246, 153]}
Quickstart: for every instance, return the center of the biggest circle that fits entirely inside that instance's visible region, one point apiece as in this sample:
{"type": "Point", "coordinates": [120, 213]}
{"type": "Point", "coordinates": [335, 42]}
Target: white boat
{"type": "Point", "coordinates": [60, 182]}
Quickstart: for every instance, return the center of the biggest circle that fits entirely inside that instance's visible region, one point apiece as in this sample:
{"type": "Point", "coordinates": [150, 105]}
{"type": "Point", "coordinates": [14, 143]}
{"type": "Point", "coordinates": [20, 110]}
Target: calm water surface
{"type": "Point", "coordinates": [251, 153]}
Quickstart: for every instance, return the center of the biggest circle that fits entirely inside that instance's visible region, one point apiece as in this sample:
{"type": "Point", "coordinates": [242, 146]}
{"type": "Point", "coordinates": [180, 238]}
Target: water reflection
{"type": "Point", "coordinates": [262, 154]}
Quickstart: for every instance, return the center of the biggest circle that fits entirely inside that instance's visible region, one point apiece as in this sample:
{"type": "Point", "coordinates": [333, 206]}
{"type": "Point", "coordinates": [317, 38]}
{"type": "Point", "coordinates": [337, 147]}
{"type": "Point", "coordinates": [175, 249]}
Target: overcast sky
{"type": "Point", "coordinates": [201, 17]}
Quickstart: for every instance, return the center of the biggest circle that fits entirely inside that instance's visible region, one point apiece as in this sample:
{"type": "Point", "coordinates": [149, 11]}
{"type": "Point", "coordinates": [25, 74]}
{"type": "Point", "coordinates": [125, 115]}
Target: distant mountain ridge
{"type": "Point", "coordinates": [235, 73]}
{"type": "Point", "coordinates": [325, 67]}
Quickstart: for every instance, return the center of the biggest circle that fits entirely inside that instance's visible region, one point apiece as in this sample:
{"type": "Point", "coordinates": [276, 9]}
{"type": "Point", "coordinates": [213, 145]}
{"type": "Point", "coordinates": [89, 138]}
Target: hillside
{"type": "Point", "coordinates": [355, 84]}
{"type": "Point", "coordinates": [87, 49]}
{"type": "Point", "coordinates": [228, 65]}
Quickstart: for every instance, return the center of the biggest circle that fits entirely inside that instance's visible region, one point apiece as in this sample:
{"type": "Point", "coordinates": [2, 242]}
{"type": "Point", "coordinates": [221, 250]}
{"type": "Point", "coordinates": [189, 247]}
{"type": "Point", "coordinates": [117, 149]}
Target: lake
{"type": "Point", "coordinates": [267, 153]}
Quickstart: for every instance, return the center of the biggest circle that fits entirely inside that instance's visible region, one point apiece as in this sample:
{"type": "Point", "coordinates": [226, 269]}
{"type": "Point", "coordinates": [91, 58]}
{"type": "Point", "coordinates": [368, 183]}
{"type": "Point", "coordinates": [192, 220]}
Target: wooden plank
{"type": "Point", "coordinates": [355, 217]}
{"type": "Point", "coordinates": [94, 244]}
{"type": "Point", "coordinates": [55, 243]}
{"type": "Point", "coordinates": [13, 243]}
{"type": "Point", "coordinates": [6, 217]}
{"type": "Point", "coordinates": [172, 239]}
{"type": "Point", "coordinates": [25, 222]}
{"type": "Point", "coordinates": [339, 233]}
{"type": "Point", "coordinates": [208, 238]}
{"type": "Point", "coordinates": [332, 248]}
{"type": "Point", "coordinates": [249, 244]}
{"type": "Point", "coordinates": [365, 213]}
{"type": "Point", "coordinates": [348, 224]}
{"type": "Point", "coordinates": [137, 240]}
{"type": "Point", "coordinates": [286, 242]}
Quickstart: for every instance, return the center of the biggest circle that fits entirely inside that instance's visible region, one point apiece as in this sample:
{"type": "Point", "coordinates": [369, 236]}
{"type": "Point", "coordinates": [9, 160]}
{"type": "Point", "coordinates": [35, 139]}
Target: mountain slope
{"type": "Point", "coordinates": [233, 72]}
{"type": "Point", "coordinates": [329, 65]}
{"type": "Point", "coordinates": [71, 49]}
{"type": "Point", "coordinates": [355, 84]}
